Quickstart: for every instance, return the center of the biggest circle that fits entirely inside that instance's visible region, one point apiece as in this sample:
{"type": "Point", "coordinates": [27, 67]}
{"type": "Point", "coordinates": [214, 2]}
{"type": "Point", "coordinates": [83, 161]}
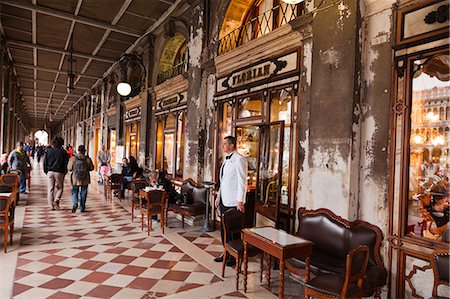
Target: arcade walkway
{"type": "Point", "coordinates": [102, 254]}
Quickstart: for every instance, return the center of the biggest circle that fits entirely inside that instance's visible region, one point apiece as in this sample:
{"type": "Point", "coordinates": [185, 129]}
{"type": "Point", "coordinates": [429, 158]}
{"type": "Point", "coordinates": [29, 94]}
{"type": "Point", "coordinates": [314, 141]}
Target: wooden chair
{"type": "Point", "coordinates": [440, 261]}
{"type": "Point", "coordinates": [12, 180]}
{"type": "Point", "coordinates": [330, 285]}
{"type": "Point", "coordinates": [115, 181]}
{"type": "Point", "coordinates": [135, 187]}
{"type": "Point", "coordinates": [8, 183]}
{"type": "Point", "coordinates": [233, 222]}
{"type": "Point", "coordinates": [153, 203]}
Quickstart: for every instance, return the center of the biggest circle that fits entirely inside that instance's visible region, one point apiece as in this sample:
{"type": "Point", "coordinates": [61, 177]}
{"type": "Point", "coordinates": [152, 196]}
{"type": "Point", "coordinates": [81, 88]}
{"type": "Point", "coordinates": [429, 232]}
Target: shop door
{"type": "Point", "coordinates": [268, 192]}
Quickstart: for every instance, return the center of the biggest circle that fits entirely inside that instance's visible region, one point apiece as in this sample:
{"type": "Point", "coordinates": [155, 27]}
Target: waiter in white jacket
{"type": "Point", "coordinates": [233, 185]}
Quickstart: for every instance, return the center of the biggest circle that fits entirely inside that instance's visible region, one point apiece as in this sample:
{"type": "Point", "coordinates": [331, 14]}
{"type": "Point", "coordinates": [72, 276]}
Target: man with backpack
{"type": "Point", "coordinates": [55, 166]}
{"type": "Point", "coordinates": [80, 166]}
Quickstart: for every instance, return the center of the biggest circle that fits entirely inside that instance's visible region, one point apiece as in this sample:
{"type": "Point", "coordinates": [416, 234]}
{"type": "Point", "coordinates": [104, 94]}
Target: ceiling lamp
{"type": "Point", "coordinates": [127, 66]}
{"type": "Point", "coordinates": [124, 89]}
{"type": "Point", "coordinates": [292, 1]}
{"type": "Point", "coordinates": [70, 74]}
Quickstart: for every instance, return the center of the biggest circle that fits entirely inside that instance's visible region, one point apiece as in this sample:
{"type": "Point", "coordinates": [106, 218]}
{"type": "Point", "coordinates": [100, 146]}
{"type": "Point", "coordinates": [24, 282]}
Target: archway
{"type": "Point", "coordinates": [174, 58]}
{"type": "Point", "coordinates": [41, 137]}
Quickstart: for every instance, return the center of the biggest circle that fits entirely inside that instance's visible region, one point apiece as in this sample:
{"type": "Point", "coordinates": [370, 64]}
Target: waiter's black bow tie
{"type": "Point", "coordinates": [228, 157]}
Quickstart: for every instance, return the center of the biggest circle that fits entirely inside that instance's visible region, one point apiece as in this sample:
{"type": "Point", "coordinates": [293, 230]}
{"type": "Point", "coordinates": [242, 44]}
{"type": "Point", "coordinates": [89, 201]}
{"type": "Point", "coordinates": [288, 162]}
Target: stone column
{"type": "Point", "coordinates": [332, 155]}
{"type": "Point", "coordinates": [196, 102]}
{"type": "Point", "coordinates": [147, 121]}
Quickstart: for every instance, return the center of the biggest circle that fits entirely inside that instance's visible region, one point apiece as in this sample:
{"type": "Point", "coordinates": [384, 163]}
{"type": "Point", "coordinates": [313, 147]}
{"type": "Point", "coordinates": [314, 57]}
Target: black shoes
{"type": "Point", "coordinates": [231, 261]}
{"type": "Point", "coordinates": [74, 208]}
{"type": "Point", "coordinates": [219, 259]}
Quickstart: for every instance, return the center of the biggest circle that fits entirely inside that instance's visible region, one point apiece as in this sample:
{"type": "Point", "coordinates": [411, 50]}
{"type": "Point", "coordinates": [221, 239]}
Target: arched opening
{"type": "Point", "coordinates": [41, 137]}
{"type": "Point", "coordinates": [174, 58]}
{"type": "Point", "coordinates": [246, 20]}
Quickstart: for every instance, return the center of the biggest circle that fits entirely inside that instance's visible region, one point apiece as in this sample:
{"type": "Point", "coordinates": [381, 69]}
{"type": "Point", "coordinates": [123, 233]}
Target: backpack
{"type": "Point", "coordinates": [80, 169]}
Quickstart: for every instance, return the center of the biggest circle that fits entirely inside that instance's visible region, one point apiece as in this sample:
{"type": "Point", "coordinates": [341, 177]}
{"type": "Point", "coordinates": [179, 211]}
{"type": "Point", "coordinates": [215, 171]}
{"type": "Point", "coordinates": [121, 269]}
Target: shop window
{"type": "Point", "coordinates": [280, 110]}
{"type": "Point", "coordinates": [248, 146]}
{"type": "Point", "coordinates": [428, 190]}
{"type": "Point", "coordinates": [180, 145]}
{"type": "Point", "coordinates": [250, 106]}
{"type": "Point", "coordinates": [170, 142]}
{"type": "Point", "coordinates": [112, 145]}
{"type": "Point", "coordinates": [132, 139]}
{"type": "Point", "coordinates": [168, 153]}
{"type": "Point", "coordinates": [159, 145]}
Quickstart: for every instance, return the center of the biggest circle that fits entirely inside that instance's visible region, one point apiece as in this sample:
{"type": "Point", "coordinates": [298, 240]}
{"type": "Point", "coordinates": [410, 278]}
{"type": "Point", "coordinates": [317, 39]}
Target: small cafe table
{"type": "Point", "coordinates": [279, 244]}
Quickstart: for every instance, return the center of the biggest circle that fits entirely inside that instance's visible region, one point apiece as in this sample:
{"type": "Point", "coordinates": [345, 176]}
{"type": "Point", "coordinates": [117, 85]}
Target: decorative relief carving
{"type": "Point", "coordinates": [439, 15]}
{"type": "Point", "coordinates": [400, 107]}
{"type": "Point", "coordinates": [401, 65]}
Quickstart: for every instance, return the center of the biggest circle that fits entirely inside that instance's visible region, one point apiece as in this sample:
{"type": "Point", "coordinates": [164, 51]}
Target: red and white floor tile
{"type": "Point", "coordinates": [102, 254]}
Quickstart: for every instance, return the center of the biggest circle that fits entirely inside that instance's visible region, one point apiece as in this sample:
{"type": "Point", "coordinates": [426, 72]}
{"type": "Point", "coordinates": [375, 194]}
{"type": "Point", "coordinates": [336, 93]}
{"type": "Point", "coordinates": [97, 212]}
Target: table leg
{"type": "Point", "coordinates": [269, 266]}
{"type": "Point", "coordinates": [245, 266]}
{"type": "Point", "coordinates": [307, 269]}
{"type": "Point", "coordinates": [281, 286]}
{"type": "Point", "coordinates": [261, 267]}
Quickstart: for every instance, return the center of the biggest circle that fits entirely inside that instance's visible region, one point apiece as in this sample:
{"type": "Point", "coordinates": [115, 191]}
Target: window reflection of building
{"type": "Point", "coordinates": [428, 196]}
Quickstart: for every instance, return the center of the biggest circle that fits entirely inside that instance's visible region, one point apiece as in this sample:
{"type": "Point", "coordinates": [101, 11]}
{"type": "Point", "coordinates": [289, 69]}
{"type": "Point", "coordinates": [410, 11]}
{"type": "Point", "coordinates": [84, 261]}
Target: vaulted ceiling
{"type": "Point", "coordinates": [38, 36]}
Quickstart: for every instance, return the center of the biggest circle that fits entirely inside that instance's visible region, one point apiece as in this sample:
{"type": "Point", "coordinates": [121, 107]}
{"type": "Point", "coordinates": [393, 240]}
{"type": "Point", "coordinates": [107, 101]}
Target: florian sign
{"type": "Point", "coordinates": [247, 76]}
{"type": "Point", "coordinates": [261, 71]}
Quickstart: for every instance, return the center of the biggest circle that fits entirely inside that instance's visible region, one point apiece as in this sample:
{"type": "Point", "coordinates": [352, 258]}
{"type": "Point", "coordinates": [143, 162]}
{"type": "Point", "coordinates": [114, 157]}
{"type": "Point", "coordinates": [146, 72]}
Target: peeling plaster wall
{"type": "Point", "coordinates": [327, 177]}
{"type": "Point", "coordinates": [375, 114]}
{"type": "Point", "coordinates": [196, 102]}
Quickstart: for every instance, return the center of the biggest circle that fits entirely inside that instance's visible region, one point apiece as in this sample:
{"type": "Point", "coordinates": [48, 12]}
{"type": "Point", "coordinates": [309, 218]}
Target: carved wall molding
{"type": "Point", "coordinates": [411, 274]}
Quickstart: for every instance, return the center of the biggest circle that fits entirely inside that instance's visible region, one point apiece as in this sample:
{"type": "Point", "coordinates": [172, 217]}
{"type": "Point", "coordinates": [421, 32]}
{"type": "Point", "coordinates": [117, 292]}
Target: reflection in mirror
{"type": "Point", "coordinates": [428, 195]}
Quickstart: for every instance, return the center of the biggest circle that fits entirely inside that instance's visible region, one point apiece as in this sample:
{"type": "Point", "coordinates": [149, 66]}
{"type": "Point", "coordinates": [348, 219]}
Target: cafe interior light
{"type": "Point", "coordinates": [124, 89]}
{"type": "Point", "coordinates": [432, 117]}
{"type": "Point", "coordinates": [418, 139]}
{"type": "Point", "coordinates": [438, 140]}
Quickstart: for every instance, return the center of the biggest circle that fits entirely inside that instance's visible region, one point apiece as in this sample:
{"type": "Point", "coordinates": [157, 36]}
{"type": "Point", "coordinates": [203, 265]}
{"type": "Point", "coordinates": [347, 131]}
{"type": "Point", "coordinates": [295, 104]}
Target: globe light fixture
{"type": "Point", "coordinates": [124, 89]}
{"type": "Point", "coordinates": [292, 1]}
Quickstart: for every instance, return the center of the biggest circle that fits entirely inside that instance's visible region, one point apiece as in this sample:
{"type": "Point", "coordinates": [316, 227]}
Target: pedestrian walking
{"type": "Point", "coordinates": [103, 163]}
{"type": "Point", "coordinates": [18, 161]}
{"type": "Point", "coordinates": [80, 166]}
{"type": "Point", "coordinates": [55, 166]}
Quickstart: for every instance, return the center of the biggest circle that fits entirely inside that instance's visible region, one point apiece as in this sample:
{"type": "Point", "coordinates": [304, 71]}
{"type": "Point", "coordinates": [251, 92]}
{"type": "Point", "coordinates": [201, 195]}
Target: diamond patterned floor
{"type": "Point", "coordinates": [103, 254]}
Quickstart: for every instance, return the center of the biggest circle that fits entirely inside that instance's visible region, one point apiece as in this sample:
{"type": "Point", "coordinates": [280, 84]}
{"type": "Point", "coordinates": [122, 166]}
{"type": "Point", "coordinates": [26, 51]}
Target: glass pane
{"type": "Point", "coordinates": [250, 106]}
{"type": "Point", "coordinates": [428, 196]}
{"type": "Point", "coordinates": [268, 169]}
{"type": "Point", "coordinates": [168, 153]}
{"type": "Point", "coordinates": [280, 110]}
{"type": "Point", "coordinates": [159, 141]}
{"type": "Point", "coordinates": [225, 119]}
{"type": "Point", "coordinates": [180, 145]}
{"type": "Point", "coordinates": [133, 143]}
{"type": "Point", "coordinates": [127, 141]}
{"type": "Point", "coordinates": [247, 146]}
{"type": "Point", "coordinates": [112, 146]}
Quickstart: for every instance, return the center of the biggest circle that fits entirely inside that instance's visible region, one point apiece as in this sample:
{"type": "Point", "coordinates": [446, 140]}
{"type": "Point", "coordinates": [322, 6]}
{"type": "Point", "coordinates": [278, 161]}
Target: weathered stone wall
{"type": "Point", "coordinates": [327, 177]}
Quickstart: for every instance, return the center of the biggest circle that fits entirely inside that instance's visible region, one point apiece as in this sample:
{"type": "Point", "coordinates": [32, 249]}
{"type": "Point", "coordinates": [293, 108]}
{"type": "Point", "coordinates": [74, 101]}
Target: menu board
{"type": "Point", "coordinates": [120, 150]}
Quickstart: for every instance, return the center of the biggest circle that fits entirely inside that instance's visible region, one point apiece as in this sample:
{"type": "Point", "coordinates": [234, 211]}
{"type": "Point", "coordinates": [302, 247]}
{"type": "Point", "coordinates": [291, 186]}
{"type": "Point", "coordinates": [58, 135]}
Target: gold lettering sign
{"type": "Point", "coordinates": [250, 75]}
{"type": "Point", "coordinates": [266, 70]}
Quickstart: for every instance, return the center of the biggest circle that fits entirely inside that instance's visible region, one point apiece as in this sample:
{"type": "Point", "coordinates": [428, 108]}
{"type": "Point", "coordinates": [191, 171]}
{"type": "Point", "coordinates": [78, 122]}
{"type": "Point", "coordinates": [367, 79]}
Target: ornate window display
{"type": "Point", "coordinates": [429, 160]}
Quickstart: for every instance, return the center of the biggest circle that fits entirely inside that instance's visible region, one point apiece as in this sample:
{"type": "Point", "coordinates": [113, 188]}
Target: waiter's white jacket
{"type": "Point", "coordinates": [233, 180]}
